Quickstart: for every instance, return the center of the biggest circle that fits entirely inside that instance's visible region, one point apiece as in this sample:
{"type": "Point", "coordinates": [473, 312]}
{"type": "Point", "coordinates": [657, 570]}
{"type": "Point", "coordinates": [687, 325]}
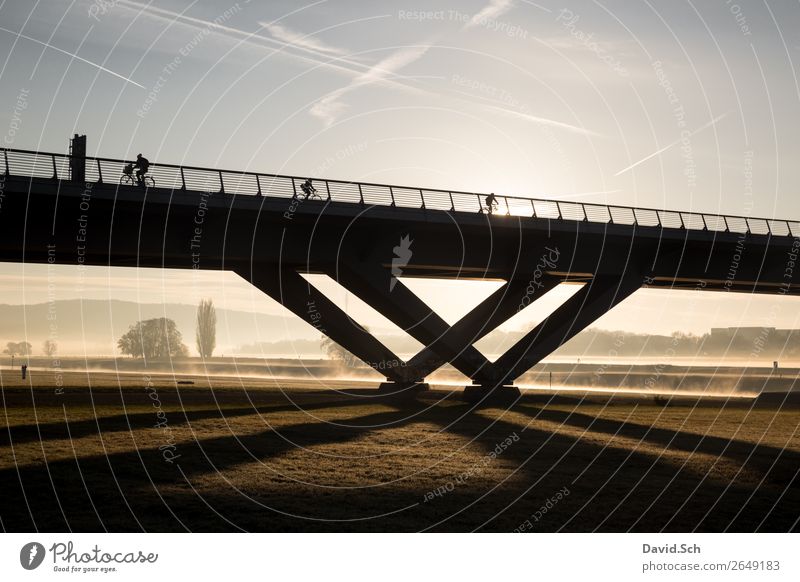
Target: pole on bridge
{"type": "Point", "coordinates": [77, 158]}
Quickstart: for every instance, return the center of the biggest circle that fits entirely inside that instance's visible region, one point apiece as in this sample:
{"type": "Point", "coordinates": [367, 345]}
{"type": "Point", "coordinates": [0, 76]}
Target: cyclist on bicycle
{"type": "Point", "coordinates": [491, 203]}
{"type": "Point", "coordinates": [142, 165]}
{"type": "Point", "coordinates": [308, 188]}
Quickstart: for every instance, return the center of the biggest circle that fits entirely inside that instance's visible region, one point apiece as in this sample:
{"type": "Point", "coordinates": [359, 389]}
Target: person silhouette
{"type": "Point", "coordinates": [308, 188]}
{"type": "Point", "coordinates": [142, 165]}
{"type": "Point", "coordinates": [491, 203]}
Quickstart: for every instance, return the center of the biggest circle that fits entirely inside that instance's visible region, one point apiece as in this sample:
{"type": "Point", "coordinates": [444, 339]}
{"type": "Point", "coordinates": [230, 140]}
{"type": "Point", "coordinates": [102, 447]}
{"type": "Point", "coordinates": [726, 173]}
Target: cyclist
{"type": "Point", "coordinates": [128, 169]}
{"type": "Point", "coordinates": [491, 203]}
{"type": "Point", "coordinates": [142, 165]}
{"type": "Point", "coordinates": [308, 188]}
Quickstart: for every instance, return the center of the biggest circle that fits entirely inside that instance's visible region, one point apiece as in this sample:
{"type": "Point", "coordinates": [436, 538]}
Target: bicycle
{"type": "Point", "coordinates": [131, 180]}
{"type": "Point", "coordinates": [309, 192]}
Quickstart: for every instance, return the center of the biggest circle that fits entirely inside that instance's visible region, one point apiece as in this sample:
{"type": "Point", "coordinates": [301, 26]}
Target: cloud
{"type": "Point", "coordinates": [300, 40]}
{"type": "Point", "coordinates": [309, 50]}
{"type": "Point", "coordinates": [329, 107]}
{"type": "Point", "coordinates": [300, 52]}
{"type": "Point", "coordinates": [490, 12]}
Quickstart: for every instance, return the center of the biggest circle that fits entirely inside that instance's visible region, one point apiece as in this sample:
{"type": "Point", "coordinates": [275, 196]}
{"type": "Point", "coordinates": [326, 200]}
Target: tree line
{"type": "Point", "coordinates": [152, 339]}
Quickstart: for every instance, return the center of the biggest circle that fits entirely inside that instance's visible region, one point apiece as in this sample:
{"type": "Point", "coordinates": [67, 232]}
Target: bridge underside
{"type": "Point", "coordinates": [273, 242]}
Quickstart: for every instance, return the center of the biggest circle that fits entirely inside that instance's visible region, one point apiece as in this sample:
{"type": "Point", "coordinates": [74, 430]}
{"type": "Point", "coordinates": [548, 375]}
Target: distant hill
{"type": "Point", "coordinates": [94, 326]}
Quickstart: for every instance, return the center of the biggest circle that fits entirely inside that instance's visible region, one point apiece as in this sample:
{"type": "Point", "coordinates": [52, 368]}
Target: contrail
{"type": "Point", "coordinates": [74, 56]}
{"type": "Point", "coordinates": [542, 120]}
{"type": "Point", "coordinates": [674, 143]}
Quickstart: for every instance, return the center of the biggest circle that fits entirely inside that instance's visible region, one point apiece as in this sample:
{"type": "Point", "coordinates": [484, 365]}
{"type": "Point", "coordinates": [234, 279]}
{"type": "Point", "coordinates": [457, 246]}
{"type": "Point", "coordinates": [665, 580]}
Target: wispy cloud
{"type": "Point", "coordinates": [490, 12]}
{"type": "Point", "coordinates": [542, 121]}
{"type": "Point", "coordinates": [671, 145]}
{"type": "Point", "coordinates": [254, 40]}
{"type": "Point", "coordinates": [309, 50]}
{"type": "Point", "coordinates": [74, 56]}
{"type": "Point", "coordinates": [329, 107]}
{"type": "Point", "coordinates": [299, 39]}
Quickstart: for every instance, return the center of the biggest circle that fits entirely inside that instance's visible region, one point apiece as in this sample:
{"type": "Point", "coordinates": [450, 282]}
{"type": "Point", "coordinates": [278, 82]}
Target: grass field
{"type": "Point", "coordinates": [132, 453]}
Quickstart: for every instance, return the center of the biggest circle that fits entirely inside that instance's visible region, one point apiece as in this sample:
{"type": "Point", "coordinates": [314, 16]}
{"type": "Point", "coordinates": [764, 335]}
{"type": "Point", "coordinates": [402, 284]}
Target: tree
{"type": "Point", "coordinates": [50, 347]}
{"type": "Point", "coordinates": [334, 350]}
{"type": "Point", "coordinates": [153, 339]}
{"type": "Point", "coordinates": [337, 352]}
{"type": "Point", "coordinates": [18, 349]}
{"type": "Point", "coordinates": [206, 328]}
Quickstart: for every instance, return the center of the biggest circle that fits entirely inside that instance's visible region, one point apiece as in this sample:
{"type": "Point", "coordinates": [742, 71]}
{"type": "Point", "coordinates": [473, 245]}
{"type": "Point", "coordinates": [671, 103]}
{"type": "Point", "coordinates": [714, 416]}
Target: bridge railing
{"type": "Point", "coordinates": [28, 163]}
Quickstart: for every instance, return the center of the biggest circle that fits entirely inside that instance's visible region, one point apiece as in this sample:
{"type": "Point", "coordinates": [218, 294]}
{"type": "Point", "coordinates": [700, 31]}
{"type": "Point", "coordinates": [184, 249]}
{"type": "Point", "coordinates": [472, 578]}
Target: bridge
{"type": "Point", "coordinates": [72, 209]}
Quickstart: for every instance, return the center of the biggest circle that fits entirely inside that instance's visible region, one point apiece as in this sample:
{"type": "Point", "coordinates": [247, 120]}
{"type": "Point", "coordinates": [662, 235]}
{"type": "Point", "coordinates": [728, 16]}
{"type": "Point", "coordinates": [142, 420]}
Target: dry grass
{"type": "Point", "coordinates": [251, 456]}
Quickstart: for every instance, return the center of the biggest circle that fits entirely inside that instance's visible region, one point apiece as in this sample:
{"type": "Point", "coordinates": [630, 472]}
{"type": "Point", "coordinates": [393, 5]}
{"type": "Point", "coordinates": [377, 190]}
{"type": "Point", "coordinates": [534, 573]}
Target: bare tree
{"type": "Point", "coordinates": [206, 337]}
{"type": "Point", "coordinates": [50, 347]}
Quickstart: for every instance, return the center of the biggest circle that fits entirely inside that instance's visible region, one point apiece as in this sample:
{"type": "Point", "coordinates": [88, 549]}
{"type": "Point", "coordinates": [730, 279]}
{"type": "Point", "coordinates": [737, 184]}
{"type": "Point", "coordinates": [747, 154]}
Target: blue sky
{"type": "Point", "coordinates": [670, 104]}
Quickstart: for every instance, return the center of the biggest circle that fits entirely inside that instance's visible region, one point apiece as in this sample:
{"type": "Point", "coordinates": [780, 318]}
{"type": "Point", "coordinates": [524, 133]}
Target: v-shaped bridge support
{"type": "Point", "coordinates": [287, 287]}
{"type": "Point", "coordinates": [443, 343]}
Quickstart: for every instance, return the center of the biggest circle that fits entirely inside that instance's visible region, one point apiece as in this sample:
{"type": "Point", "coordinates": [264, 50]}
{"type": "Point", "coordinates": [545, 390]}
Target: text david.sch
{"type": "Point", "coordinates": [671, 549]}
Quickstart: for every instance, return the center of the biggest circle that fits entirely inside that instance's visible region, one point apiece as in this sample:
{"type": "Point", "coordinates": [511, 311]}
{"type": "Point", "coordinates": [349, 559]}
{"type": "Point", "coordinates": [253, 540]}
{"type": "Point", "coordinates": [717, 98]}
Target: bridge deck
{"type": "Point", "coordinates": [108, 171]}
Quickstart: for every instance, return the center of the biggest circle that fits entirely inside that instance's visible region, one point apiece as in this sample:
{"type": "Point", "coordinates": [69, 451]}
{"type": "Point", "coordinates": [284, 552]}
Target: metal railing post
{"type": "Point", "coordinates": [452, 203]}
{"type": "Point", "coordinates": [361, 194]}
{"type": "Point", "coordinates": [294, 189]}
{"type": "Point", "coordinates": [558, 206]}
{"type": "Point", "coordinates": [391, 193]}
{"type": "Point", "coordinates": [705, 226]}
{"type": "Point", "coordinates": [533, 207]}
{"type": "Point", "coordinates": [585, 216]}
{"type": "Point", "coordinates": [727, 228]}
{"type": "Point", "coordinates": [680, 215]}
{"type": "Point", "coordinates": [422, 197]}
{"type": "Point", "coordinates": [747, 224]}
{"type": "Point", "coordinates": [55, 171]}
{"type": "Point", "coordinates": [5, 155]}
{"type": "Point", "coordinates": [221, 183]}
{"type": "Point", "coordinates": [99, 172]}
{"type": "Point", "coordinates": [183, 180]}
{"type": "Point", "coordinates": [328, 190]}
{"type": "Point", "coordinates": [789, 228]}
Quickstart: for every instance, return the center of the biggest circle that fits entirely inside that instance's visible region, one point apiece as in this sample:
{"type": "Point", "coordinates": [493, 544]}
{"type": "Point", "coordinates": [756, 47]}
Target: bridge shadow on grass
{"type": "Point", "coordinates": [227, 482]}
{"type": "Point", "coordinates": [117, 423]}
{"type": "Point", "coordinates": [614, 487]}
{"type": "Point", "coordinates": [776, 466]}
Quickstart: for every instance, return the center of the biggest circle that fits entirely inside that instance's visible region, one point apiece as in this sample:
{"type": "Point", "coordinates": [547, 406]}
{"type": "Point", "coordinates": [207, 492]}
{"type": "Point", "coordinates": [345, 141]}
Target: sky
{"type": "Point", "coordinates": [667, 104]}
